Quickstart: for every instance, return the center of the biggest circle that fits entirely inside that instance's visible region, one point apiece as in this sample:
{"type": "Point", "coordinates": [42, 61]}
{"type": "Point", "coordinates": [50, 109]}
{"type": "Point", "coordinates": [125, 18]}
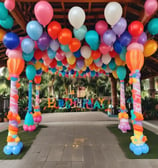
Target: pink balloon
{"type": "Point", "coordinates": [104, 49]}
{"type": "Point", "coordinates": [135, 46]}
{"type": "Point", "coordinates": [9, 4]}
{"type": "Point", "coordinates": [101, 26]}
{"type": "Point", "coordinates": [43, 12]}
{"type": "Point", "coordinates": [60, 55]}
{"type": "Point", "coordinates": [14, 53]}
{"type": "Point", "coordinates": [150, 7]}
{"type": "Point", "coordinates": [46, 60]}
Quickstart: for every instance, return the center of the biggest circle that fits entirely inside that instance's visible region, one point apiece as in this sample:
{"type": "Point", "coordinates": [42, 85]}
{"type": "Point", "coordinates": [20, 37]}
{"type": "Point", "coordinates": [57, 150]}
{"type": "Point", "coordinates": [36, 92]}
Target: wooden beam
{"type": "Point", "coordinates": [72, 1]}
{"type": "Point", "coordinates": [89, 7]}
{"type": "Point", "coordinates": [153, 59]}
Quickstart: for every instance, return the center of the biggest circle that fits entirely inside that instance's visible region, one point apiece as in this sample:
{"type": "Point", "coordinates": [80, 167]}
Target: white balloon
{"type": "Point", "coordinates": [85, 52]}
{"type": "Point", "coordinates": [68, 54]}
{"type": "Point", "coordinates": [113, 12]}
{"type": "Point", "coordinates": [106, 59]}
{"type": "Point", "coordinates": [76, 17]}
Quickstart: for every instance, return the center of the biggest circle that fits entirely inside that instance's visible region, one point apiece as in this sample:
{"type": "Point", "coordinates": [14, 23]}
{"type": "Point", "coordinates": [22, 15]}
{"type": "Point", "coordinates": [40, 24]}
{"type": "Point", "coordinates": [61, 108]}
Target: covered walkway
{"type": "Point", "coordinates": [76, 140]}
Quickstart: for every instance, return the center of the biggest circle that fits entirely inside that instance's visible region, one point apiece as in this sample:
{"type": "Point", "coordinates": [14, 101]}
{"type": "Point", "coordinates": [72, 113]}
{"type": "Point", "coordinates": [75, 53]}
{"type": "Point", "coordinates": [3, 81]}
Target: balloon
{"type": "Point", "coordinates": [34, 29]}
{"type": "Point", "coordinates": [38, 65]}
{"type": "Point", "coordinates": [46, 60]}
{"type": "Point", "coordinates": [37, 79]}
{"type": "Point", "coordinates": [109, 37]}
{"type": "Point", "coordinates": [118, 61]}
{"type": "Point", "coordinates": [54, 45]}
{"type": "Point", "coordinates": [117, 46]}
{"type": "Point", "coordinates": [80, 33]}
{"type": "Point", "coordinates": [2, 33]}
{"type": "Point", "coordinates": [65, 36]}
{"type": "Point", "coordinates": [15, 66]}
{"type": "Point", "coordinates": [106, 59]}
{"type": "Point", "coordinates": [108, 70]}
{"type": "Point", "coordinates": [27, 45]}
{"type": "Point", "coordinates": [135, 46]}
{"type": "Point", "coordinates": [134, 59]}
{"type": "Point", "coordinates": [60, 55]}
{"type": "Point", "coordinates": [43, 12]}
{"type": "Point", "coordinates": [150, 47]}
{"type": "Point", "coordinates": [11, 40]}
{"type": "Point", "coordinates": [88, 61]}
{"type": "Point", "coordinates": [77, 54]}
{"type": "Point", "coordinates": [14, 53]}
{"type": "Point", "coordinates": [113, 53]}
{"type": "Point", "coordinates": [68, 54]}
{"type": "Point", "coordinates": [44, 41]}
{"type": "Point", "coordinates": [150, 7]}
{"type": "Point", "coordinates": [153, 26]}
{"type": "Point", "coordinates": [136, 28]}
{"type": "Point", "coordinates": [112, 64]}
{"type": "Point", "coordinates": [39, 54]}
{"type": "Point", "coordinates": [9, 4]}
{"type": "Point", "coordinates": [71, 60]}
{"type": "Point", "coordinates": [76, 17]}
{"type": "Point", "coordinates": [51, 53]}
{"type": "Point", "coordinates": [142, 38]}
{"type": "Point", "coordinates": [104, 49]}
{"type": "Point", "coordinates": [120, 26]}
{"type": "Point", "coordinates": [65, 48]}
{"type": "Point", "coordinates": [125, 39]}
{"type": "Point", "coordinates": [74, 45]}
{"type": "Point", "coordinates": [64, 61]}
{"type": "Point", "coordinates": [4, 11]}
{"type": "Point", "coordinates": [123, 54]}
{"type": "Point", "coordinates": [101, 26]}
{"type": "Point", "coordinates": [95, 54]}
{"type": "Point", "coordinates": [53, 29]}
{"type": "Point", "coordinates": [28, 57]}
{"type": "Point", "coordinates": [92, 38]}
{"type": "Point", "coordinates": [30, 72]}
{"type": "Point", "coordinates": [121, 72]}
{"type": "Point", "coordinates": [85, 52]}
{"type": "Point", "coordinates": [99, 64]}
{"type": "Point", "coordinates": [114, 73]}
{"type": "Point", "coordinates": [113, 12]}
{"type": "Point", "coordinates": [80, 63]}
{"type": "Point", "coordinates": [7, 23]}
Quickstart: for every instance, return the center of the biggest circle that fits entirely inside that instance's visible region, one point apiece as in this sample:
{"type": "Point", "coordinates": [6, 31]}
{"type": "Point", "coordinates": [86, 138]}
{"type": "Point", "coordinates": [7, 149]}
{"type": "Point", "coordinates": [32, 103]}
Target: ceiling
{"type": "Point", "coordinates": [94, 9]}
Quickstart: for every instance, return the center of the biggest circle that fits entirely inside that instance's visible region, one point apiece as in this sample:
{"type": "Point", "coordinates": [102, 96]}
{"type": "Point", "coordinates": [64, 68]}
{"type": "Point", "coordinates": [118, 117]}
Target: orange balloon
{"type": "Point", "coordinates": [95, 54]}
{"type": "Point", "coordinates": [91, 67]}
{"type": "Point", "coordinates": [88, 61]}
{"type": "Point", "coordinates": [74, 45]}
{"type": "Point", "coordinates": [37, 79]}
{"type": "Point", "coordinates": [65, 36]}
{"type": "Point", "coordinates": [119, 61]}
{"type": "Point", "coordinates": [15, 66]}
{"type": "Point", "coordinates": [134, 59]}
{"type": "Point", "coordinates": [2, 33]}
{"type": "Point", "coordinates": [72, 66]}
{"type": "Point", "coordinates": [150, 47]}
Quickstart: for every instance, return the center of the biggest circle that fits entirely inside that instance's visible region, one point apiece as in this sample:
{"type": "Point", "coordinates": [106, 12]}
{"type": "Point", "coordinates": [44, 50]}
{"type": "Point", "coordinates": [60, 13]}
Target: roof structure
{"type": "Point", "coordinates": [94, 9]}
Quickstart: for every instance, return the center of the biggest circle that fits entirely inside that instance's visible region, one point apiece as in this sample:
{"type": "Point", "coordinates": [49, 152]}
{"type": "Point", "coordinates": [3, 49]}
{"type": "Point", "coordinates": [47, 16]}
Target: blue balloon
{"type": "Point", "coordinates": [16, 150]}
{"type": "Point", "coordinates": [4, 11]}
{"type": "Point", "coordinates": [72, 72]}
{"type": "Point", "coordinates": [30, 72]}
{"type": "Point", "coordinates": [33, 60]}
{"type": "Point", "coordinates": [137, 150]}
{"type": "Point", "coordinates": [123, 54]}
{"type": "Point", "coordinates": [27, 45]}
{"type": "Point", "coordinates": [51, 53]}
{"type": "Point", "coordinates": [92, 73]}
{"type": "Point", "coordinates": [121, 72]}
{"type": "Point", "coordinates": [80, 33]}
{"type": "Point", "coordinates": [104, 66]}
{"type": "Point", "coordinates": [11, 40]}
{"type": "Point", "coordinates": [77, 54]}
{"type": "Point", "coordinates": [125, 38]}
{"type": "Point", "coordinates": [7, 150]}
{"type": "Point", "coordinates": [20, 144]}
{"type": "Point", "coordinates": [65, 48]}
{"type": "Point", "coordinates": [118, 47]}
{"type": "Point", "coordinates": [28, 57]}
{"type": "Point", "coordinates": [131, 146]}
{"type": "Point", "coordinates": [92, 38]}
{"type": "Point", "coordinates": [59, 63]}
{"type": "Point", "coordinates": [153, 26]}
{"type": "Point", "coordinates": [39, 71]}
{"type": "Point", "coordinates": [145, 148]}
{"type": "Point", "coordinates": [7, 23]}
{"type": "Point", "coordinates": [112, 64]}
{"type": "Point", "coordinates": [96, 60]}
{"type": "Point", "coordinates": [34, 29]}
{"type": "Point", "coordinates": [53, 70]}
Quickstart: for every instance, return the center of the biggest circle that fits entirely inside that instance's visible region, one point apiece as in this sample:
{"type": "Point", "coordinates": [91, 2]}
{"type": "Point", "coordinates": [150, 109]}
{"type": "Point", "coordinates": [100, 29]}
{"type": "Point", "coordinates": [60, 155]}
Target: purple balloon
{"type": "Point", "coordinates": [109, 37]}
{"type": "Point", "coordinates": [120, 26]}
{"type": "Point", "coordinates": [142, 38]}
{"type": "Point", "coordinates": [44, 41]}
{"type": "Point", "coordinates": [80, 63]}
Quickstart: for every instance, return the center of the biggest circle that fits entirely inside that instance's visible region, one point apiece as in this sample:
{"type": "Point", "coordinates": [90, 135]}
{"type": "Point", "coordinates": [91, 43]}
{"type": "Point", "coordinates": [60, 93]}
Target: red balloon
{"type": "Point", "coordinates": [113, 53]}
{"type": "Point", "coordinates": [64, 61]}
{"type": "Point", "coordinates": [65, 36]}
{"type": "Point", "coordinates": [53, 64]}
{"type": "Point", "coordinates": [39, 54]}
{"type": "Point", "coordinates": [53, 29]}
{"type": "Point", "coordinates": [37, 79]}
{"type": "Point", "coordinates": [136, 28]}
{"type": "Point", "coordinates": [74, 45]}
{"type": "Point", "coordinates": [95, 54]}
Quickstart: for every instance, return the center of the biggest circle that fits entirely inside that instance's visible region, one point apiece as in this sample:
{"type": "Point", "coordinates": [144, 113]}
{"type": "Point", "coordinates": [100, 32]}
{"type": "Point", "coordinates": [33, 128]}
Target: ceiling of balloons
{"type": "Point", "coordinates": [88, 37]}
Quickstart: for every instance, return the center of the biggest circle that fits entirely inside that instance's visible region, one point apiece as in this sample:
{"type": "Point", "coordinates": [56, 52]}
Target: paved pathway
{"type": "Point", "coordinates": [77, 140]}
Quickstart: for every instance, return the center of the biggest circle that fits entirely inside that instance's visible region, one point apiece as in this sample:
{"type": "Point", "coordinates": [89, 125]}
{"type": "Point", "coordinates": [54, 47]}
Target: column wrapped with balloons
{"type": "Point", "coordinates": [29, 122]}
{"type": "Point", "coordinates": [135, 61]}
{"type": "Point", "coordinates": [123, 116]}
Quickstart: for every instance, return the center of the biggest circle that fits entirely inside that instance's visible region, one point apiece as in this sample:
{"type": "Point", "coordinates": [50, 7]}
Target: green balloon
{"type": "Point", "coordinates": [153, 26]}
{"type": "Point", "coordinates": [65, 48]}
{"type": "Point", "coordinates": [29, 119]}
{"type": "Point", "coordinates": [121, 72]}
{"type": "Point", "coordinates": [123, 54]}
{"type": "Point", "coordinates": [7, 23]}
{"type": "Point", "coordinates": [3, 11]}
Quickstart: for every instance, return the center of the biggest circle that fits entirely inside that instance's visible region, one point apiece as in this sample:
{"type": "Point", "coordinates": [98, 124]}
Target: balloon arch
{"type": "Point", "coordinates": [107, 49]}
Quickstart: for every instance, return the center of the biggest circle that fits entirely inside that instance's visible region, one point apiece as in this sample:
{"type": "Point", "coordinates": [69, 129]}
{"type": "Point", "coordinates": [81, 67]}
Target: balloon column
{"type": "Point", "coordinates": [123, 116]}
{"type": "Point", "coordinates": [29, 122]}
{"type": "Point", "coordinates": [15, 66]}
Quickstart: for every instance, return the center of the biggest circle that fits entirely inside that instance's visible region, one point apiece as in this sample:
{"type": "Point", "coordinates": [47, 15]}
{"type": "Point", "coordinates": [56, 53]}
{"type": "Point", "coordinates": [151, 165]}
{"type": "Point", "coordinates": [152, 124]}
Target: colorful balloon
{"type": "Point", "coordinates": [109, 37]}
{"type": "Point", "coordinates": [142, 38]}
{"type": "Point", "coordinates": [43, 12]}
{"type": "Point", "coordinates": [65, 36]}
{"type": "Point", "coordinates": [125, 39]}
{"type": "Point", "coordinates": [118, 47]}
{"type": "Point", "coordinates": [136, 28]}
{"type": "Point", "coordinates": [150, 47]}
{"type": "Point", "coordinates": [9, 4]}
{"type": "Point", "coordinates": [153, 26]}
{"type": "Point", "coordinates": [14, 53]}
{"type": "Point", "coordinates": [2, 33]}
{"type": "Point", "coordinates": [121, 72]}
{"type": "Point", "coordinates": [114, 73]}
{"type": "Point", "coordinates": [39, 54]}
{"type": "Point", "coordinates": [71, 60]}
{"type": "Point", "coordinates": [28, 57]}
{"type": "Point", "coordinates": [54, 45]}
{"type": "Point", "coordinates": [88, 61]}
{"type": "Point", "coordinates": [37, 79]}
{"type": "Point", "coordinates": [95, 54]}
{"type": "Point", "coordinates": [106, 59]}
{"type": "Point", "coordinates": [7, 23]}
{"type": "Point", "coordinates": [74, 45]}
{"type": "Point", "coordinates": [4, 11]}
{"type": "Point", "coordinates": [80, 33]}
{"type": "Point", "coordinates": [30, 72]}
{"type": "Point", "coordinates": [80, 63]}
{"type": "Point", "coordinates": [123, 54]}
{"type": "Point", "coordinates": [150, 7]}
{"type": "Point", "coordinates": [85, 52]}
{"type": "Point", "coordinates": [135, 46]}
{"type": "Point", "coordinates": [27, 45]}
{"type": "Point", "coordinates": [112, 64]}
{"type": "Point", "coordinates": [65, 48]}
{"type": "Point", "coordinates": [104, 49]}
{"type": "Point", "coordinates": [101, 26]}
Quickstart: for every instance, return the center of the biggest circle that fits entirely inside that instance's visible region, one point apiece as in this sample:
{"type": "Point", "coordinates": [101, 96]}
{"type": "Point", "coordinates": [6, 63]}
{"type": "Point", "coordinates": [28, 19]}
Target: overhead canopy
{"type": "Point", "coordinates": [94, 9]}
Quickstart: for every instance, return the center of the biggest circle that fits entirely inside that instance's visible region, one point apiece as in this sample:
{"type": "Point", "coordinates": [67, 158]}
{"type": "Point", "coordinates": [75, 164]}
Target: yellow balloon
{"type": "Point", "coordinates": [38, 65]}
{"type": "Point", "coordinates": [118, 61]}
{"type": "Point", "coordinates": [114, 73]}
{"type": "Point", "coordinates": [84, 68]}
{"type": "Point", "coordinates": [88, 61]}
{"type": "Point", "coordinates": [2, 33]}
{"type": "Point", "coordinates": [71, 60]}
{"type": "Point", "coordinates": [150, 47]}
